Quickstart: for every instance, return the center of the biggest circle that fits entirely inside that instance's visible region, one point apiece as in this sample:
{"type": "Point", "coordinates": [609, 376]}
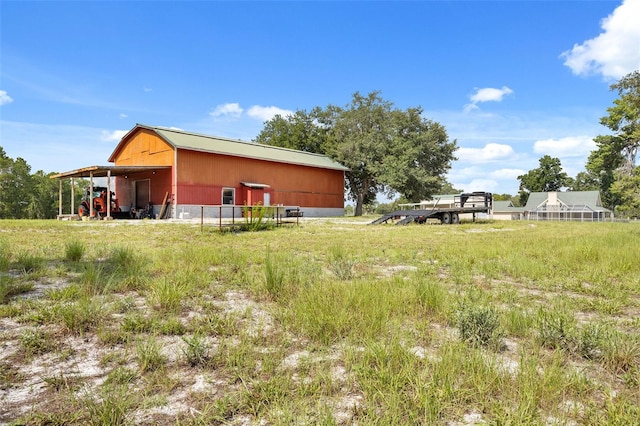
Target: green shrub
{"type": "Point", "coordinates": [256, 218]}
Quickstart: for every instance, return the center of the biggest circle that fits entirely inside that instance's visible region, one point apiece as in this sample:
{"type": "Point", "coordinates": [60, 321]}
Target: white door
{"type": "Point", "coordinates": [267, 199]}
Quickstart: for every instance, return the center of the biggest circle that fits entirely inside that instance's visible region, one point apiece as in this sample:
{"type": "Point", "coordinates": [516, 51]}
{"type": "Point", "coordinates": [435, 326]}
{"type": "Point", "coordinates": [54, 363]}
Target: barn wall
{"type": "Point", "coordinates": [201, 177]}
{"type": "Point", "coordinates": [160, 184]}
{"type": "Point", "coordinates": [145, 148]}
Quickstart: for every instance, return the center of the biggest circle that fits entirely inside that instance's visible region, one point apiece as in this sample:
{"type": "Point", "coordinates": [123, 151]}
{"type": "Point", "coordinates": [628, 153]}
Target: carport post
{"type": "Point", "coordinates": [60, 197]}
{"type": "Point", "coordinates": [73, 195]}
{"type": "Point", "coordinates": [91, 212]}
{"type": "Point", "coordinates": [108, 200]}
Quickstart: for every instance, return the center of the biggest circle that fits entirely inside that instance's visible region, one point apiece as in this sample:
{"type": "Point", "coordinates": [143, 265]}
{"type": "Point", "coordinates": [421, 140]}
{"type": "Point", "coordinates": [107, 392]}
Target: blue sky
{"type": "Point", "coordinates": [510, 80]}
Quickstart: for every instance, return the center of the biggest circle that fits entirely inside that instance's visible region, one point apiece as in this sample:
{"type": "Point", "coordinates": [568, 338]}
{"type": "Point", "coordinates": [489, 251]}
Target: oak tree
{"type": "Point", "coordinates": [548, 177]}
{"type": "Point", "coordinates": [385, 149]}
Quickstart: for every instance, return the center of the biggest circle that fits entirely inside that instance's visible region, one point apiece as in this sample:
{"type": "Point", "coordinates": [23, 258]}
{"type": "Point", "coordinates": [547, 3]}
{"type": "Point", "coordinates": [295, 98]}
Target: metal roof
{"type": "Point", "coordinates": [505, 206]}
{"type": "Point", "coordinates": [569, 198]}
{"type": "Point", "coordinates": [103, 171]}
{"type": "Point", "coordinates": [181, 139]}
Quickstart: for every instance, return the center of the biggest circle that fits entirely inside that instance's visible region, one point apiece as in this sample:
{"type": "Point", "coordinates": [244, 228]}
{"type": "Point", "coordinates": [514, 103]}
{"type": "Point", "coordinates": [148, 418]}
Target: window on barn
{"type": "Point", "coordinates": [228, 196]}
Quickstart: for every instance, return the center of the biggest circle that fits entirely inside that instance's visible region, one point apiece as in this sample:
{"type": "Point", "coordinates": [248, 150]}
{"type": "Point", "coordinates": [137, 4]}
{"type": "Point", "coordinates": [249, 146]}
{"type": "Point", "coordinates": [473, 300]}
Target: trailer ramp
{"type": "Point", "coordinates": [405, 217]}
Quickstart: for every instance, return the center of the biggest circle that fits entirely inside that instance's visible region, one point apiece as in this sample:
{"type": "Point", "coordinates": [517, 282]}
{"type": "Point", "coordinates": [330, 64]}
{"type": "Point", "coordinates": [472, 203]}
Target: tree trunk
{"type": "Point", "coordinates": [359, 203]}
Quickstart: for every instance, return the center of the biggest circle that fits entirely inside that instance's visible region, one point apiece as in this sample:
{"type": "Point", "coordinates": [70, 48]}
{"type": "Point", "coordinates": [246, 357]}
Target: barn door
{"type": "Point", "coordinates": [143, 193]}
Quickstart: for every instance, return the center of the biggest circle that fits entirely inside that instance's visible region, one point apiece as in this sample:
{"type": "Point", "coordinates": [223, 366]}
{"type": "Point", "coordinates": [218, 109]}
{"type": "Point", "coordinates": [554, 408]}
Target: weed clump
{"type": "Point", "coordinates": [29, 263]}
{"type": "Point", "coordinates": [196, 351]}
{"type": "Point", "coordinates": [479, 326]}
{"type": "Point", "coordinates": [340, 264]}
{"type": "Point", "coordinates": [556, 330]}
{"type": "Point", "coordinates": [36, 342]}
{"type": "Point", "coordinates": [274, 277]}
{"type": "Point", "coordinates": [149, 355]}
{"type": "Point", "coordinates": [4, 256]}
{"type": "Point", "coordinates": [10, 287]}
{"type": "Point", "coordinates": [74, 251]}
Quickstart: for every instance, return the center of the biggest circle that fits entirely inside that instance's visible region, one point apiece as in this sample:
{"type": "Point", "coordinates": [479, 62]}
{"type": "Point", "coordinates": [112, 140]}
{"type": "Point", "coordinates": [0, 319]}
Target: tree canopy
{"type": "Point", "coordinates": [28, 196]}
{"type": "Point", "coordinates": [386, 149]}
{"type": "Point", "coordinates": [611, 167]}
{"type": "Point", "coordinates": [548, 177]}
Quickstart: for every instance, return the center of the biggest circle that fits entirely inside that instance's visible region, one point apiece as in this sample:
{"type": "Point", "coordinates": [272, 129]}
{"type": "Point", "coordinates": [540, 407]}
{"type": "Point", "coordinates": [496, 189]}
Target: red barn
{"type": "Point", "coordinates": [197, 170]}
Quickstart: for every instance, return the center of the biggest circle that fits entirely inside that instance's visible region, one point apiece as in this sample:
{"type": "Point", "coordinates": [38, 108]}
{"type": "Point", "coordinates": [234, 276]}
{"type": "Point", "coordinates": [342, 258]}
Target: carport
{"type": "Point", "coordinates": [95, 172]}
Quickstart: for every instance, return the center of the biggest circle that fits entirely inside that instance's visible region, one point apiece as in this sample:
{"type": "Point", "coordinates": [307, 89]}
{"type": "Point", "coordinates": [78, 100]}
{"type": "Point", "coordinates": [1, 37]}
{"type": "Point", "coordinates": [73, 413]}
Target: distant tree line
{"type": "Point", "coordinates": [24, 195]}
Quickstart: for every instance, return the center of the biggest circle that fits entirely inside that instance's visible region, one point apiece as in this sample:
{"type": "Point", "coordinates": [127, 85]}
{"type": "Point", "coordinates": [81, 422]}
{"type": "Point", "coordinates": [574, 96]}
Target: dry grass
{"type": "Point", "coordinates": [330, 322]}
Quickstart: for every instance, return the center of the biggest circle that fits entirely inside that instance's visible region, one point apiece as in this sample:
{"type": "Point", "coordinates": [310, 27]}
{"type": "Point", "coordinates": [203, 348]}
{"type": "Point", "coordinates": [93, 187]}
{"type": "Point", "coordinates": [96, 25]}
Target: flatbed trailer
{"type": "Point", "coordinates": [466, 203]}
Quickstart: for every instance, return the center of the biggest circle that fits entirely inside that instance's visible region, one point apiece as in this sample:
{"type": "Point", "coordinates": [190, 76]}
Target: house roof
{"type": "Point", "coordinates": [505, 206]}
{"type": "Point", "coordinates": [180, 139]}
{"type": "Point", "coordinates": [570, 198]}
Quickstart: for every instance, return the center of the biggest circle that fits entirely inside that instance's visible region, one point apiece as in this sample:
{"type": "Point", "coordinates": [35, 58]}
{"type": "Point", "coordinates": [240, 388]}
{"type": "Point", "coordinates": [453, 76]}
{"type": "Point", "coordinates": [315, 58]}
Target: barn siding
{"type": "Point", "coordinates": [291, 184]}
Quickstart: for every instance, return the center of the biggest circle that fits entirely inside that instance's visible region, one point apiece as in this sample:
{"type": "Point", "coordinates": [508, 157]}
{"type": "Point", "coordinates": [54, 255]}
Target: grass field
{"type": "Point", "coordinates": [331, 322]}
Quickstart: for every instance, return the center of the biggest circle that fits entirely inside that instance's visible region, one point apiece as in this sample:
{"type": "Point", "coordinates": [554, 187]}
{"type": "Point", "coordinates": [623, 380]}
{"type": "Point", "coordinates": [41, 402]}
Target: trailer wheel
{"type": "Point", "coordinates": [455, 219]}
{"type": "Point", "coordinates": [446, 218]}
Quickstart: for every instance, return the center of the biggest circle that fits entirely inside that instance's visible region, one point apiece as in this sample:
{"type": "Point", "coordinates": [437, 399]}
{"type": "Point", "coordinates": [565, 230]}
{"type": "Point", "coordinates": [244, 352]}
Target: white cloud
{"type": "Point", "coordinates": [465, 173]}
{"type": "Point", "coordinates": [231, 110]}
{"type": "Point", "coordinates": [613, 53]}
{"type": "Point", "coordinates": [113, 136]}
{"type": "Point", "coordinates": [572, 146]}
{"type": "Point", "coordinates": [267, 113]}
{"type": "Point", "coordinates": [123, 115]}
{"type": "Point", "coordinates": [486, 185]}
{"type": "Point", "coordinates": [506, 174]}
{"type": "Point", "coordinates": [4, 98]}
{"type": "Point", "coordinates": [490, 94]}
{"type": "Point", "coordinates": [490, 152]}
{"type": "Point", "coordinates": [147, 89]}
{"type": "Point", "coordinates": [487, 94]}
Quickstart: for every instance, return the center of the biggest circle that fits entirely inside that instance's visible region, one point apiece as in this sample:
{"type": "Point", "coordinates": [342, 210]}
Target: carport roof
{"type": "Point", "coordinates": [103, 171]}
